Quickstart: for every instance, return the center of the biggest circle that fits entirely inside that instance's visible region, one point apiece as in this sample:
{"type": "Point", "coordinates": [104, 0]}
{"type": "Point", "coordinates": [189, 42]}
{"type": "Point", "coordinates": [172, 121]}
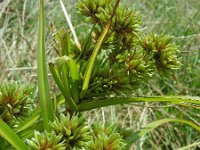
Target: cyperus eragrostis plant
{"type": "Point", "coordinates": [124, 58]}
{"type": "Point", "coordinates": [113, 59]}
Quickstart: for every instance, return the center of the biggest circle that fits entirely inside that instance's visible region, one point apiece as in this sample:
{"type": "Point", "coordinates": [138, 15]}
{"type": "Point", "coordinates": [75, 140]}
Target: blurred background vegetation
{"type": "Point", "coordinates": [181, 18]}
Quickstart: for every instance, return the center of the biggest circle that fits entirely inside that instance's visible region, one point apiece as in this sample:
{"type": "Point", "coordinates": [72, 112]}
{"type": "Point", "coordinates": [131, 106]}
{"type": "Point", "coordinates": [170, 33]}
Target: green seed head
{"type": "Point", "coordinates": [164, 52]}
{"type": "Point", "coordinates": [106, 138]}
{"type": "Point", "coordinates": [74, 130]}
{"type": "Point", "coordinates": [16, 101]}
{"type": "Point", "coordinates": [46, 141]}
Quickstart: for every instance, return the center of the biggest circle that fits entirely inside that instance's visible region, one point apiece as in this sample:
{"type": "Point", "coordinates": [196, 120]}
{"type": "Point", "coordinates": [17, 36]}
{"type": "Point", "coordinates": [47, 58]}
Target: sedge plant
{"type": "Point", "coordinates": [112, 61]}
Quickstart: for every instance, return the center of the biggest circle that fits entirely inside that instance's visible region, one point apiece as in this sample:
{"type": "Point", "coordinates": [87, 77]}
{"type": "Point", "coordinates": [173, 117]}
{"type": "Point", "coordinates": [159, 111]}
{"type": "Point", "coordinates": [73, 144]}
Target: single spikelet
{"type": "Point", "coordinates": [16, 102]}
{"type": "Point", "coordinates": [74, 130]}
{"type": "Point", "coordinates": [46, 141]}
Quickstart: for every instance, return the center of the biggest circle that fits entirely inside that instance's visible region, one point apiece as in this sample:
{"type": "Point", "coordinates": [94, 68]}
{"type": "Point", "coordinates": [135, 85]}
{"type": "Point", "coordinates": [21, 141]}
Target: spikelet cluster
{"type": "Point", "coordinates": [74, 130]}
{"type": "Point", "coordinates": [125, 24]}
{"type": "Point", "coordinates": [73, 133]}
{"type": "Point", "coordinates": [16, 102]}
{"type": "Point", "coordinates": [46, 141]}
{"type": "Point", "coordinates": [106, 138]}
{"type": "Point", "coordinates": [164, 52]}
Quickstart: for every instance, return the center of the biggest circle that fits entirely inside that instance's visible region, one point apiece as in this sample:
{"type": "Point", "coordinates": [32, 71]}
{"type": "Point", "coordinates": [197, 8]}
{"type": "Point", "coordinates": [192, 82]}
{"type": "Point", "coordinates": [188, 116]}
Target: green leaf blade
{"type": "Point", "coordinates": [74, 79]}
{"type": "Point", "coordinates": [149, 127]}
{"type": "Point", "coordinates": [43, 85]}
{"type": "Point", "coordinates": [8, 134]}
{"type": "Point", "coordinates": [63, 85]}
{"type": "Point", "coordinates": [179, 100]}
{"type": "Point", "coordinates": [28, 122]}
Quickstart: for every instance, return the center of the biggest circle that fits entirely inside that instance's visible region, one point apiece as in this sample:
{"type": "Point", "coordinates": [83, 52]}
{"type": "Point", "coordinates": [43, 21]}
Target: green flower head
{"type": "Point", "coordinates": [46, 141]}
{"type": "Point", "coordinates": [73, 129]}
{"type": "Point", "coordinates": [15, 102]}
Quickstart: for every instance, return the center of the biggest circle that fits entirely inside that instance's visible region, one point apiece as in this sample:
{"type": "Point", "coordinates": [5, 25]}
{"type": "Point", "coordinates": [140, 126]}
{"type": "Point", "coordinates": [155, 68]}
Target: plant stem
{"type": "Point", "coordinates": [92, 59]}
{"type": "Point", "coordinates": [43, 85]}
